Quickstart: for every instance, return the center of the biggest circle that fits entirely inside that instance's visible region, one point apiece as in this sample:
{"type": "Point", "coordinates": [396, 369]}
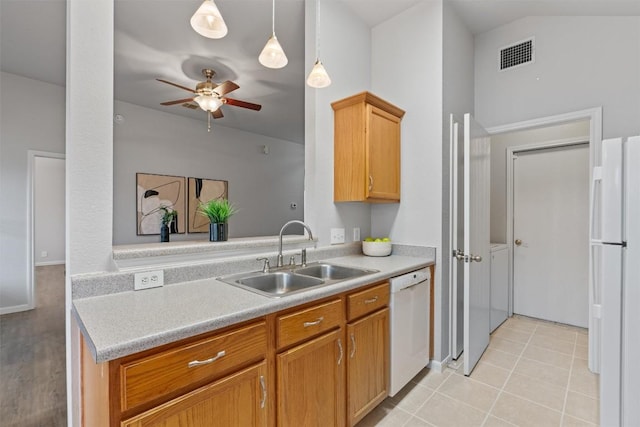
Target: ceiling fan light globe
{"type": "Point", "coordinates": [208, 103]}
{"type": "Point", "coordinates": [318, 77]}
{"type": "Point", "coordinates": [272, 55]}
{"type": "Point", "coordinates": [208, 21]}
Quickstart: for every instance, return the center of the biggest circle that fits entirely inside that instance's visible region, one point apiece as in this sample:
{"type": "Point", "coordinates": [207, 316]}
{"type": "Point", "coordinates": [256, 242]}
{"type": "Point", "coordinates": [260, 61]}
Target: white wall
{"type": "Point", "coordinates": [346, 54]}
{"type": "Point", "coordinates": [580, 63]}
{"type": "Point", "coordinates": [499, 145]}
{"type": "Point", "coordinates": [49, 211]}
{"type": "Point", "coordinates": [21, 129]}
{"type": "Point", "coordinates": [261, 186]}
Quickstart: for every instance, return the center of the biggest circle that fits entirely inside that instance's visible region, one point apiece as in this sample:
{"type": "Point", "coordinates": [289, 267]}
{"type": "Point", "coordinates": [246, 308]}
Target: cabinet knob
{"type": "Point", "coordinates": [370, 183]}
{"type": "Point", "coordinates": [518, 242]}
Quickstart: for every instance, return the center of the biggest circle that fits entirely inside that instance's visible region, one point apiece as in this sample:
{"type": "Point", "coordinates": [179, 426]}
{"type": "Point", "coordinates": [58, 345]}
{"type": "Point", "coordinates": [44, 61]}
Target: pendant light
{"type": "Point", "coordinates": [272, 55]}
{"type": "Point", "coordinates": [208, 21]}
{"type": "Point", "coordinates": [318, 77]}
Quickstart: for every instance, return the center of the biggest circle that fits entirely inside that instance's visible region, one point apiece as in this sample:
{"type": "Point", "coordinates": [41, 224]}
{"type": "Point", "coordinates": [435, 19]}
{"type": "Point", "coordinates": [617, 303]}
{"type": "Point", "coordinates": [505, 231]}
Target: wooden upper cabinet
{"type": "Point", "coordinates": [366, 149]}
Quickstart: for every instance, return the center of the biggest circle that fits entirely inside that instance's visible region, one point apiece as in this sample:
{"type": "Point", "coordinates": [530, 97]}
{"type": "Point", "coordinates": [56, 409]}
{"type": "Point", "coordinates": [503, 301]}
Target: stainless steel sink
{"type": "Point", "coordinates": [331, 271]}
{"type": "Point", "coordinates": [291, 280]}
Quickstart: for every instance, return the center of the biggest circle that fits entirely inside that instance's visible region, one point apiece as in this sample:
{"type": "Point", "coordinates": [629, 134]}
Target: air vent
{"type": "Point", "coordinates": [518, 54]}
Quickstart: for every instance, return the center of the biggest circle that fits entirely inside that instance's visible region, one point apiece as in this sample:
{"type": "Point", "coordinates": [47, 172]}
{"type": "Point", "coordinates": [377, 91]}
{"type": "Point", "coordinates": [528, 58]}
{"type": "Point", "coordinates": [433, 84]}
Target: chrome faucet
{"type": "Point", "coordinates": [295, 221]}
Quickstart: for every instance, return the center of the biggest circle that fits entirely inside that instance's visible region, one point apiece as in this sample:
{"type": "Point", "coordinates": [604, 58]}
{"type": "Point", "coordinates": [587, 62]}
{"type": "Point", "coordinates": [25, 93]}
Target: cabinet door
{"type": "Point", "coordinates": [238, 400]}
{"type": "Point", "coordinates": [383, 154]}
{"type": "Point", "coordinates": [311, 383]}
{"type": "Point", "coordinates": [367, 364]}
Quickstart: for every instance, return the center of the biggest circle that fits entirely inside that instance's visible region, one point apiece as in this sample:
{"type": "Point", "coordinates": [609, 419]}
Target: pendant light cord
{"type": "Point", "coordinates": [273, 18]}
{"type": "Point", "coordinates": [318, 31]}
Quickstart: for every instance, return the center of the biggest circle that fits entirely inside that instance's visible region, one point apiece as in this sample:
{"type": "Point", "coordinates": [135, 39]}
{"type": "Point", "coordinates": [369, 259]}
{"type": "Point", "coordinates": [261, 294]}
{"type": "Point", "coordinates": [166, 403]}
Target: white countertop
{"type": "Point", "coordinates": [124, 323]}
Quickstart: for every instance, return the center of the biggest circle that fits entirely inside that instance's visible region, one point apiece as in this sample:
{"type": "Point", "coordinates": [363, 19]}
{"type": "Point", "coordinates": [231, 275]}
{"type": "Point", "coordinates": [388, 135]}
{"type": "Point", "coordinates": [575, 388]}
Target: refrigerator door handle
{"type": "Point", "coordinates": [595, 178]}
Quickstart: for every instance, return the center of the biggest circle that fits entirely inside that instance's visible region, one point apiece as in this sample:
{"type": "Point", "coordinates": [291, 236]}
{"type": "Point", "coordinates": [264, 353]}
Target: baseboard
{"type": "Point", "coordinates": [15, 309]}
{"type": "Point", "coordinates": [45, 263]}
{"type": "Point", "coordinates": [439, 366]}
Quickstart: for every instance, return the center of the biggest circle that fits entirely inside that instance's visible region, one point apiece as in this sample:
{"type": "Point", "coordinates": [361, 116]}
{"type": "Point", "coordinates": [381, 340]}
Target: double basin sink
{"type": "Point", "coordinates": [290, 279]}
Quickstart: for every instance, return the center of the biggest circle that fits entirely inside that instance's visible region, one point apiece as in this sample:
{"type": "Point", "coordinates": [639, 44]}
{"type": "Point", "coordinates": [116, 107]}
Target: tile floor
{"type": "Point", "coordinates": [534, 373]}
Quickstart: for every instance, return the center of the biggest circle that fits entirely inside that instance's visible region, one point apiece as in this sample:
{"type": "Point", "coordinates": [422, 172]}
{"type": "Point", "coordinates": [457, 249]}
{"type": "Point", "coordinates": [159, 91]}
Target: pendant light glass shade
{"type": "Point", "coordinates": [207, 21]}
{"type": "Point", "coordinates": [318, 77]}
{"type": "Point", "coordinates": [208, 103]}
{"type": "Point", "coordinates": [272, 56]}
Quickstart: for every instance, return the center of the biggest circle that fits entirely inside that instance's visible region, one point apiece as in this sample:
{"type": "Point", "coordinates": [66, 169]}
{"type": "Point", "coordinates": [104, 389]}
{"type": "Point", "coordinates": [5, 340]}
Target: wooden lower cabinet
{"type": "Point", "coordinates": [367, 364]}
{"type": "Point", "coordinates": [239, 400]}
{"type": "Point", "coordinates": [310, 383]}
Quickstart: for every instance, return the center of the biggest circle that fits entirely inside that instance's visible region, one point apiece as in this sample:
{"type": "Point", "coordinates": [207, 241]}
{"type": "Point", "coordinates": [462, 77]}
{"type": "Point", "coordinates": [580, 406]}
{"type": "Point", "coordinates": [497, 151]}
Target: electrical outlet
{"type": "Point", "coordinates": [356, 234]}
{"type": "Point", "coordinates": [44, 254]}
{"type": "Point", "coordinates": [337, 236]}
{"type": "Point", "coordinates": [148, 279]}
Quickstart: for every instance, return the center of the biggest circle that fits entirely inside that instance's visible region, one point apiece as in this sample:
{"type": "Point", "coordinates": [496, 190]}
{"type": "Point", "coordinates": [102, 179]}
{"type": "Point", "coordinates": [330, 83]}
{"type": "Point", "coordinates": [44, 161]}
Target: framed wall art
{"type": "Point", "coordinates": [203, 190]}
{"type": "Point", "coordinates": [156, 191]}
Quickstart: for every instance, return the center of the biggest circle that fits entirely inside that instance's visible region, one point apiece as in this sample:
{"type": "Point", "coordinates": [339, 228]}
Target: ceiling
{"type": "Point", "coordinates": [153, 39]}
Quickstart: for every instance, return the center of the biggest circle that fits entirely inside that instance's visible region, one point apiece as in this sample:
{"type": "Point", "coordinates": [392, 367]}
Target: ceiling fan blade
{"type": "Point", "coordinates": [177, 101]}
{"type": "Point", "coordinates": [243, 104]}
{"type": "Point", "coordinates": [225, 87]}
{"type": "Point", "coordinates": [217, 114]}
{"type": "Point", "coordinates": [176, 85]}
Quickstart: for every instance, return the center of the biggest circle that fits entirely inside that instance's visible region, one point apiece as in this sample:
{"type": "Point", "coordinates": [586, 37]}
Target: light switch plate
{"type": "Point", "coordinates": [337, 236]}
{"type": "Point", "coordinates": [356, 234]}
{"type": "Point", "coordinates": [148, 279]}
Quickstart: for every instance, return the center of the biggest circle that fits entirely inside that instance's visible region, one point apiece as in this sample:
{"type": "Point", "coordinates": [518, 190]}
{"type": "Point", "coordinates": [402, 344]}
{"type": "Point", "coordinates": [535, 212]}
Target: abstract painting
{"type": "Point", "coordinates": [152, 193]}
{"type": "Point", "coordinates": [203, 190]}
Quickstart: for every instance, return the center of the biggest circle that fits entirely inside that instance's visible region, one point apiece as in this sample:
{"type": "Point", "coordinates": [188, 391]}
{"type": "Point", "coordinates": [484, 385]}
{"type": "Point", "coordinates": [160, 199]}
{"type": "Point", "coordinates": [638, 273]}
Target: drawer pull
{"type": "Point", "coordinates": [314, 323]}
{"type": "Point", "coordinates": [341, 352]}
{"type": "Point", "coordinates": [353, 346]}
{"type": "Point", "coordinates": [264, 391]}
{"type": "Point", "coordinates": [195, 363]}
{"type": "Point", "coordinates": [371, 300]}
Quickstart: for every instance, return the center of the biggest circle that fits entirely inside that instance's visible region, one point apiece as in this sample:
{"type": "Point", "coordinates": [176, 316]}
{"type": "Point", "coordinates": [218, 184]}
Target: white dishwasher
{"type": "Point", "coordinates": [409, 340]}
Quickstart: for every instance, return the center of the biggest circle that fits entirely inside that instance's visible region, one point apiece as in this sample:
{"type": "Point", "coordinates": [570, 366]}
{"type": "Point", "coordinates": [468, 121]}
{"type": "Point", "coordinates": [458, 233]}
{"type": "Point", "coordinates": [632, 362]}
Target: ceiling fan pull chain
{"type": "Point", "coordinates": [208, 122]}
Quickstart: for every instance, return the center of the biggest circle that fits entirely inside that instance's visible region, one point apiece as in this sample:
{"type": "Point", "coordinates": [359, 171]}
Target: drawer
{"type": "Point", "coordinates": [154, 376]}
{"type": "Point", "coordinates": [303, 324]}
{"type": "Point", "coordinates": [367, 301]}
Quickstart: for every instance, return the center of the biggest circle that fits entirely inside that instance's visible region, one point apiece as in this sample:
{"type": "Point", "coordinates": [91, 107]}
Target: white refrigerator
{"type": "Point", "coordinates": [614, 331]}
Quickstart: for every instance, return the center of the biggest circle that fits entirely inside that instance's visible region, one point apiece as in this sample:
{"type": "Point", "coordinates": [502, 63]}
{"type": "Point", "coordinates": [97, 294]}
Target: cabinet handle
{"type": "Point", "coordinates": [370, 182]}
{"type": "Point", "coordinates": [371, 300]}
{"type": "Point", "coordinates": [341, 352]}
{"type": "Point", "coordinates": [353, 346]}
{"type": "Point", "coordinates": [206, 362]}
{"type": "Point", "coordinates": [314, 323]}
{"type": "Point", "coordinates": [264, 392]}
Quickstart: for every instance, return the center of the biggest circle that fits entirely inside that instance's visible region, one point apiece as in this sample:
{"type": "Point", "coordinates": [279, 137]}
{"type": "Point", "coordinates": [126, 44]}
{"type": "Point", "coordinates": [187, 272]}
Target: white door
{"type": "Point", "coordinates": [457, 242]}
{"type": "Point", "coordinates": [477, 302]}
{"type": "Point", "coordinates": [551, 234]}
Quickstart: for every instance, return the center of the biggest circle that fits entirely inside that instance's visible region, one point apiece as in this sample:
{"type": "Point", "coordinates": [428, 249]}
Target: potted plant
{"type": "Point", "coordinates": [218, 211]}
{"type": "Point", "coordinates": [168, 215]}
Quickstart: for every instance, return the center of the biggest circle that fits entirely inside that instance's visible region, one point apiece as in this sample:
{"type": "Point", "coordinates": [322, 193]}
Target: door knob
{"type": "Point", "coordinates": [476, 258]}
{"type": "Point", "coordinates": [518, 242]}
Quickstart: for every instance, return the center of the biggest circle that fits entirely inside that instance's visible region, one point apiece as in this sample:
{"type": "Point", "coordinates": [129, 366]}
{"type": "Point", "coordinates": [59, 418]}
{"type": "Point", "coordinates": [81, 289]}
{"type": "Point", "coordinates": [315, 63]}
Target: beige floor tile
{"type": "Point", "coordinates": [543, 372]}
{"type": "Point", "coordinates": [385, 415]}
{"type": "Point", "coordinates": [556, 332]}
{"type": "Point", "coordinates": [430, 378]}
{"type": "Point", "coordinates": [582, 339]}
{"type": "Point", "coordinates": [512, 335]}
{"type": "Point", "coordinates": [500, 358]}
{"type": "Point", "coordinates": [524, 413]}
{"type": "Point", "coordinates": [411, 397]}
{"type": "Point", "coordinates": [555, 344]}
{"type": "Point", "coordinates": [443, 411]}
{"type": "Point", "coordinates": [416, 422]}
{"type": "Point", "coordinates": [489, 374]}
{"type": "Point", "coordinates": [584, 382]}
{"type": "Point", "coordinates": [582, 352]}
{"type": "Point", "coordinates": [569, 421]}
{"type": "Point", "coordinates": [550, 357]}
{"type": "Point", "coordinates": [583, 407]}
{"type": "Point", "coordinates": [496, 422]}
{"type": "Point", "coordinates": [537, 391]}
{"type": "Point", "coordinates": [509, 346]}
{"type": "Point", "coordinates": [468, 391]}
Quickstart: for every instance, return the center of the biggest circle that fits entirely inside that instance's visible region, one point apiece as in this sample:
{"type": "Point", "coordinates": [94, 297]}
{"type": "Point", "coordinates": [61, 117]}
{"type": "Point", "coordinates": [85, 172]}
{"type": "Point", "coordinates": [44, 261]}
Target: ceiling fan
{"type": "Point", "coordinates": [210, 96]}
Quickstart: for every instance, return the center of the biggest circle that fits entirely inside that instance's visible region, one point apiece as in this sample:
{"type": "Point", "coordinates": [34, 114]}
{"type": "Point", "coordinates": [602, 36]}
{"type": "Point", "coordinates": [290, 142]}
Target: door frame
{"type": "Point", "coordinates": [31, 173]}
{"type": "Point", "coordinates": [594, 115]}
{"type": "Point", "coordinates": [511, 156]}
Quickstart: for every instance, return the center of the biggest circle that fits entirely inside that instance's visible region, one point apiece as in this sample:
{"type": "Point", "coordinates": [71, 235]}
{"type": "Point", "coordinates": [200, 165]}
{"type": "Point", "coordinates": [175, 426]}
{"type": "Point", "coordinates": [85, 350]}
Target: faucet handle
{"type": "Point", "coordinates": [303, 257]}
{"type": "Point", "coordinates": [292, 260]}
{"type": "Point", "coordinates": [266, 268]}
